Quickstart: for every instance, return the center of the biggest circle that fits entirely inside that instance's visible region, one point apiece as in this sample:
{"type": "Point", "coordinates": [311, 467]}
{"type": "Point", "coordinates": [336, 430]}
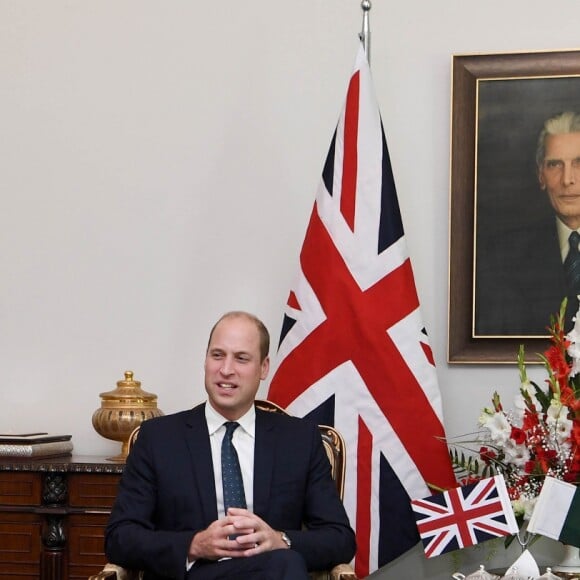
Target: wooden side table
{"type": "Point", "coordinates": [53, 514]}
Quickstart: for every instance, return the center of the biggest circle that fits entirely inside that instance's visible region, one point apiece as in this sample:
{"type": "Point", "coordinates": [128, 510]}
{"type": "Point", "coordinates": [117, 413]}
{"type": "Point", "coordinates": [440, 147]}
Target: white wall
{"type": "Point", "coordinates": [158, 163]}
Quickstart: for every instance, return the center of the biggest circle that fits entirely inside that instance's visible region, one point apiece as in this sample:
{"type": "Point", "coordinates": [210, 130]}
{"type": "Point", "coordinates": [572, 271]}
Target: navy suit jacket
{"type": "Point", "coordinates": [167, 493]}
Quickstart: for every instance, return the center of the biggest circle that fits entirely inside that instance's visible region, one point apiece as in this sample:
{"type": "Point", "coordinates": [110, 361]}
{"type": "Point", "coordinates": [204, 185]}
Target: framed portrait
{"type": "Point", "coordinates": [506, 272]}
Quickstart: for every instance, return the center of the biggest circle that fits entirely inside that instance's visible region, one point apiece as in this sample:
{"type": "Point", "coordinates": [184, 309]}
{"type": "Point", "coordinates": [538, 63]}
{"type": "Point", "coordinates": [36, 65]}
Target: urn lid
{"type": "Point", "coordinates": [128, 389]}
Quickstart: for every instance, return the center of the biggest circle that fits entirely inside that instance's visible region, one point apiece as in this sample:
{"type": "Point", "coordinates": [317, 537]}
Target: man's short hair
{"type": "Point", "coordinates": [567, 122]}
{"type": "Point", "coordinates": [262, 330]}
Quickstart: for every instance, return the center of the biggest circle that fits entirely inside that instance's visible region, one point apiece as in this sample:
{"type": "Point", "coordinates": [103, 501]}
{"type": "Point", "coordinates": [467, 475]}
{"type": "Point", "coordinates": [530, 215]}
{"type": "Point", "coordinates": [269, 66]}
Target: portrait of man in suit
{"type": "Point", "coordinates": [527, 205]}
{"type": "Point", "coordinates": [227, 490]}
{"type": "Point", "coordinates": [535, 265]}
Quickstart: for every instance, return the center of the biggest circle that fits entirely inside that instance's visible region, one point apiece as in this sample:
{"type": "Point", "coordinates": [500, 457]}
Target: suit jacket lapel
{"type": "Point", "coordinates": [201, 462]}
{"type": "Point", "coordinates": [264, 448]}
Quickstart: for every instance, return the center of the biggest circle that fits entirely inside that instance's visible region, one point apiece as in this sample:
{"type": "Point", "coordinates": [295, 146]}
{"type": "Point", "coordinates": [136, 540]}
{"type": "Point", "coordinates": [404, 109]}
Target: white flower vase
{"type": "Point", "coordinates": [570, 563]}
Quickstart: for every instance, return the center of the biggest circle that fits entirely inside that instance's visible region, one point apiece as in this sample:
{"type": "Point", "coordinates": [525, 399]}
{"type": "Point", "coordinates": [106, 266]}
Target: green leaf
{"type": "Point", "coordinates": [542, 397]}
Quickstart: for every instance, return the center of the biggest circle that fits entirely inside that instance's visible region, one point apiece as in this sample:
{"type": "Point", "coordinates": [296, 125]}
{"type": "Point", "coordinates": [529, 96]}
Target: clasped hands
{"type": "Point", "coordinates": [239, 534]}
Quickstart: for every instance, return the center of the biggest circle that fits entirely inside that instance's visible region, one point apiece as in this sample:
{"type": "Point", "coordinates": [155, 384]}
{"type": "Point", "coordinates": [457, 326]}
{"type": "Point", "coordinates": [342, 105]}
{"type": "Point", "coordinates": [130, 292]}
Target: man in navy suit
{"type": "Point", "coordinates": [169, 517]}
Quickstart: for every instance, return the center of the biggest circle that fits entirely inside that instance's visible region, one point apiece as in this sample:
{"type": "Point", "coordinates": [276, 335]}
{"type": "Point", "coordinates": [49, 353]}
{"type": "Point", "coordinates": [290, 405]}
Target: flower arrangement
{"type": "Point", "coordinates": [540, 436]}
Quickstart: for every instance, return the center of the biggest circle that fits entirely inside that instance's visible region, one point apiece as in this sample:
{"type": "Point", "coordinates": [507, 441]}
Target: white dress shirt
{"type": "Point", "coordinates": [563, 234]}
{"type": "Point", "coordinates": [243, 440]}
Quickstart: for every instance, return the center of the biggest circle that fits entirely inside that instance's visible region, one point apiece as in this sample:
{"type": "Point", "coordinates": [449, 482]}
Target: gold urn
{"type": "Point", "coordinates": [123, 409]}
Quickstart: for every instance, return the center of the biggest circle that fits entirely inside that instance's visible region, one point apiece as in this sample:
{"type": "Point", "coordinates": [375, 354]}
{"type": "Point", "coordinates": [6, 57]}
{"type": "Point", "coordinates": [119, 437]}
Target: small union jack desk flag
{"type": "Point", "coordinates": [464, 516]}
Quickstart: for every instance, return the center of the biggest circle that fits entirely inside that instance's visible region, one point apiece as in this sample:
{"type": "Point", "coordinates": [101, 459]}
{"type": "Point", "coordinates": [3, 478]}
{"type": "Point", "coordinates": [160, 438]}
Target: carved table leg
{"type": "Point", "coordinates": [53, 557]}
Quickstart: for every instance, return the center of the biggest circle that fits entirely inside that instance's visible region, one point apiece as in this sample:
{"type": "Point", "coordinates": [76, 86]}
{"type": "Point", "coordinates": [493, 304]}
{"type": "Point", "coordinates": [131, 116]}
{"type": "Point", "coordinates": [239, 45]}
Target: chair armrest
{"type": "Point", "coordinates": [110, 574]}
{"type": "Point", "coordinates": [114, 572]}
{"type": "Point", "coordinates": [342, 572]}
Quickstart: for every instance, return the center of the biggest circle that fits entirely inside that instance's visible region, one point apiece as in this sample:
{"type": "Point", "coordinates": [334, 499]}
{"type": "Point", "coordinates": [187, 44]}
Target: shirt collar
{"type": "Point", "coordinates": [215, 420]}
{"type": "Point", "coordinates": [563, 234]}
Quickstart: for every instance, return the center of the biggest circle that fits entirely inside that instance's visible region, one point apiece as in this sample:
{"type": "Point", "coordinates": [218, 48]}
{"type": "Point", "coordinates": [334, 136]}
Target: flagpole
{"type": "Point", "coordinates": [365, 35]}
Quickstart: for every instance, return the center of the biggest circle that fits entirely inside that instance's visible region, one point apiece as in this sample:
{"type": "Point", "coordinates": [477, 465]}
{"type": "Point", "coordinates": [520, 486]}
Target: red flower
{"type": "Point", "coordinates": [557, 361]}
{"type": "Point", "coordinates": [487, 455]}
{"type": "Point", "coordinates": [518, 435]}
{"type": "Point", "coordinates": [530, 421]}
{"type": "Point", "coordinates": [567, 395]}
{"type": "Point", "coordinates": [469, 479]}
{"type": "Point", "coordinates": [573, 473]}
{"type": "Point", "coordinates": [575, 435]}
{"type": "Point", "coordinates": [544, 459]}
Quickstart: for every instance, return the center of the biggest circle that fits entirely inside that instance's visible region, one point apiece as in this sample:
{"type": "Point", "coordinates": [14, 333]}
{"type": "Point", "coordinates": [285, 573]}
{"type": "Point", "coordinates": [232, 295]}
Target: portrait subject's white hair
{"type": "Point", "coordinates": [567, 122]}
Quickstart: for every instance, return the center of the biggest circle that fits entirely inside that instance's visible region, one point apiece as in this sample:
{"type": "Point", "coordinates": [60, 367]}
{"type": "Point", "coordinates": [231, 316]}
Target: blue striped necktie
{"type": "Point", "coordinates": [232, 482]}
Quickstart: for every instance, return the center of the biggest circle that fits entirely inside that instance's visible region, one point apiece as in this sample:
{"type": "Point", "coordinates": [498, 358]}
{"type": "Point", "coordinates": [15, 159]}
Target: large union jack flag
{"type": "Point", "coordinates": [464, 516]}
{"type": "Point", "coordinates": [353, 352]}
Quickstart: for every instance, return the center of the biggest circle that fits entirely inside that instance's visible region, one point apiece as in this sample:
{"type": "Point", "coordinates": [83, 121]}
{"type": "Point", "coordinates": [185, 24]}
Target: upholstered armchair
{"type": "Point", "coordinates": [335, 449]}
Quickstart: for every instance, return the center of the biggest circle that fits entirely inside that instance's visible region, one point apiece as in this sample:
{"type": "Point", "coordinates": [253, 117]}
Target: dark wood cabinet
{"type": "Point", "coordinates": [53, 514]}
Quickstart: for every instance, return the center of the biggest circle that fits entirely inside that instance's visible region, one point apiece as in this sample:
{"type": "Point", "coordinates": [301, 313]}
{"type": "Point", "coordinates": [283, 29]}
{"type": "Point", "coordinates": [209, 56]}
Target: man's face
{"type": "Point", "coordinates": [560, 176]}
{"type": "Point", "coordinates": [233, 369]}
